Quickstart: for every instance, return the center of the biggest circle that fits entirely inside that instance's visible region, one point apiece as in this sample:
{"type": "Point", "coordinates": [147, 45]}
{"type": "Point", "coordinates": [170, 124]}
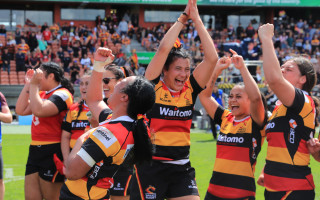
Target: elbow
{"type": "Point", "coordinates": [9, 119]}
{"type": "Point", "coordinates": [19, 112]}
{"type": "Point", "coordinates": [71, 175]}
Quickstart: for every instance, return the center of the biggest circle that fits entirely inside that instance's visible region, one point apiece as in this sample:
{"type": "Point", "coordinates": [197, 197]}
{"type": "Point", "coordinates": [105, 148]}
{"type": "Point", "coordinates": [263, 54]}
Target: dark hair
{"type": "Point", "coordinates": [54, 68]}
{"type": "Point", "coordinates": [141, 99]}
{"type": "Point", "coordinates": [316, 105]}
{"type": "Point", "coordinates": [174, 54]}
{"type": "Point", "coordinates": [306, 69]}
{"type": "Point", "coordinates": [119, 72]}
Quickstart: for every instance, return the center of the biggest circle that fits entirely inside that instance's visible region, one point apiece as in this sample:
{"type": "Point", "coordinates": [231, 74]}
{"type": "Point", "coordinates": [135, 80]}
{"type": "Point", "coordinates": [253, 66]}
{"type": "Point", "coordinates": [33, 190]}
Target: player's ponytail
{"type": "Point", "coordinates": [141, 99]}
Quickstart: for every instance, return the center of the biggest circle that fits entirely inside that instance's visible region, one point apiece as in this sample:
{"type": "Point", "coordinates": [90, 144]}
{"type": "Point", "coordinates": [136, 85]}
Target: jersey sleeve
{"type": "Point", "coordinates": [218, 115]}
{"type": "Point", "coordinates": [66, 124]}
{"type": "Point", "coordinates": [62, 99]}
{"type": "Point", "coordinates": [299, 101]}
{"type": "Point", "coordinates": [156, 81]}
{"type": "Point", "coordinates": [104, 114]}
{"type": "Point", "coordinates": [195, 86]}
{"type": "Point", "coordinates": [100, 144]}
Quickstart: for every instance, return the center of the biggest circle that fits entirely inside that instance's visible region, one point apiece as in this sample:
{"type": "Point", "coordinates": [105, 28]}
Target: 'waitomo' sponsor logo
{"type": "Point", "coordinates": [175, 113]}
{"type": "Point", "coordinates": [222, 138]}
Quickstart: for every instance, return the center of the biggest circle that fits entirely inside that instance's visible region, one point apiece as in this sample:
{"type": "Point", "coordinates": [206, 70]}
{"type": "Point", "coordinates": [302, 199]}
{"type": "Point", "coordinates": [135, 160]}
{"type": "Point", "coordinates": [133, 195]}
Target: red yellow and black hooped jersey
{"type": "Point", "coordinates": [47, 130]}
{"type": "Point", "coordinates": [170, 121]}
{"type": "Point", "coordinates": [74, 124]}
{"type": "Point", "coordinates": [106, 148]}
{"type": "Point", "coordinates": [238, 146]}
{"type": "Point", "coordinates": [288, 131]}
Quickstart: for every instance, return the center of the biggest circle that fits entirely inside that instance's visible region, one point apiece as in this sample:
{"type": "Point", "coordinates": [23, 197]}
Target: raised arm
{"type": "Point", "coordinates": [257, 110]}
{"type": "Point", "coordinates": [155, 67]}
{"type": "Point", "coordinates": [94, 98]}
{"type": "Point", "coordinates": [284, 90]}
{"type": "Point", "coordinates": [204, 69]}
{"type": "Point", "coordinates": [206, 99]}
{"type": "Point", "coordinates": [22, 105]}
{"type": "Point", "coordinates": [39, 107]}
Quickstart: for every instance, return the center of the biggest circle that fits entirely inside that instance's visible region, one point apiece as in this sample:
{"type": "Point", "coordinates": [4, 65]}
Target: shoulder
{"type": "Point", "coordinates": [63, 93]}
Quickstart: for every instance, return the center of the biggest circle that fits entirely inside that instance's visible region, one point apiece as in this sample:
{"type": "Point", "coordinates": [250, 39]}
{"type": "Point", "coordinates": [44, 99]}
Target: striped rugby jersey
{"type": "Point", "coordinates": [47, 130]}
{"type": "Point", "coordinates": [74, 124]}
{"type": "Point", "coordinates": [288, 131]}
{"type": "Point", "coordinates": [104, 150]}
{"type": "Point", "coordinates": [238, 146]}
{"type": "Point", "coordinates": [170, 121]}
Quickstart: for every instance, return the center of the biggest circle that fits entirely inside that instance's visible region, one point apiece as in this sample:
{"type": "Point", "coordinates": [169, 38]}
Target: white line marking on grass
{"type": "Point", "coordinates": [9, 176]}
{"type": "Point", "coordinates": [8, 173]}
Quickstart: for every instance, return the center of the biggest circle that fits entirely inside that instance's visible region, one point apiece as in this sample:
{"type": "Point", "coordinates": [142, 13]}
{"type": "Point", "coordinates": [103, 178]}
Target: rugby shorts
{"type": "Point", "coordinates": [40, 160]}
{"type": "Point", "coordinates": [158, 181]}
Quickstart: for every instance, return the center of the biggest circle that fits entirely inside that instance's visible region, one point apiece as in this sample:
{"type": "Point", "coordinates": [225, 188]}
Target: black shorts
{"type": "Point", "coordinates": [40, 160]}
{"type": "Point", "coordinates": [122, 182]}
{"type": "Point", "coordinates": [158, 181]}
{"type": "Point", "coordinates": [1, 163]}
{"type": "Point", "coordinates": [290, 195]}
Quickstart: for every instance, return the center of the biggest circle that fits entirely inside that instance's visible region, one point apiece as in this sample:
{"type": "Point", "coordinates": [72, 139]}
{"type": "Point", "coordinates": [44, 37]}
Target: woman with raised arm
{"type": "Point", "coordinates": [76, 121]}
{"type": "Point", "coordinates": [102, 82]}
{"type": "Point", "coordinates": [240, 138]}
{"type": "Point", "coordinates": [286, 174]}
{"type": "Point", "coordinates": [47, 96]}
{"type": "Point", "coordinates": [124, 136]}
{"type": "Point", "coordinates": [171, 176]}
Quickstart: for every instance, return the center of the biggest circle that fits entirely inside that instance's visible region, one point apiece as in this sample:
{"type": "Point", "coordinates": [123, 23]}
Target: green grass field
{"type": "Point", "coordinates": [15, 152]}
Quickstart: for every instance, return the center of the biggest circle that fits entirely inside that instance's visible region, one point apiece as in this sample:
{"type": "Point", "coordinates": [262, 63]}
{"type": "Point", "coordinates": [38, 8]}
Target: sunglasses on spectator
{"type": "Point", "coordinates": [107, 80]}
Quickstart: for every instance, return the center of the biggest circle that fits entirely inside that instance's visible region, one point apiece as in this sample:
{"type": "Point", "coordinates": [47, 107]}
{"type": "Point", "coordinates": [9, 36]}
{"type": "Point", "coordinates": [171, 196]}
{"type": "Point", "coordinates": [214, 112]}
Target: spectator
{"type": "Point", "coordinates": [250, 31]}
{"type": "Point", "coordinates": [123, 27]}
{"type": "Point", "coordinates": [3, 30]}
{"type": "Point", "coordinates": [85, 62]}
{"type": "Point", "coordinates": [64, 41]}
{"type": "Point", "coordinates": [240, 32]}
{"type": "Point", "coordinates": [34, 61]}
{"type": "Point", "coordinates": [20, 61]}
{"type": "Point", "coordinates": [74, 71]}
{"type": "Point", "coordinates": [43, 27]}
{"type": "Point", "coordinates": [5, 57]}
{"type": "Point", "coordinates": [33, 42]}
{"type": "Point", "coordinates": [17, 34]}
{"type": "Point", "coordinates": [42, 44]}
{"type": "Point", "coordinates": [66, 62]}
{"type": "Point", "coordinates": [47, 35]}
{"type": "Point", "coordinates": [23, 47]}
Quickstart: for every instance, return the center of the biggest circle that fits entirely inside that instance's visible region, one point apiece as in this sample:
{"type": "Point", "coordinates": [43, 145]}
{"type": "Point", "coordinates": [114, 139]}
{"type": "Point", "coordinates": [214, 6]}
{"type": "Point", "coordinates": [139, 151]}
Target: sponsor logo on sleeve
{"type": "Point", "coordinates": [104, 136]}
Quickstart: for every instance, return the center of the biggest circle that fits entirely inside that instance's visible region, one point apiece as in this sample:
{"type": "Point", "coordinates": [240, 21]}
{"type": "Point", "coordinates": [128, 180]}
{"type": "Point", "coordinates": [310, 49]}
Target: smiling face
{"type": "Point", "coordinates": [239, 103]}
{"type": "Point", "coordinates": [118, 97]}
{"type": "Point", "coordinates": [291, 73]}
{"type": "Point", "coordinates": [109, 88]}
{"type": "Point", "coordinates": [177, 74]}
{"type": "Point", "coordinates": [84, 82]}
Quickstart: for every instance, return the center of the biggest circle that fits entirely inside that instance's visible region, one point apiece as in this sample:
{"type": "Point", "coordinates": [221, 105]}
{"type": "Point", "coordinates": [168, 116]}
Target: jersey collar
{"type": "Point", "coordinates": [53, 89]}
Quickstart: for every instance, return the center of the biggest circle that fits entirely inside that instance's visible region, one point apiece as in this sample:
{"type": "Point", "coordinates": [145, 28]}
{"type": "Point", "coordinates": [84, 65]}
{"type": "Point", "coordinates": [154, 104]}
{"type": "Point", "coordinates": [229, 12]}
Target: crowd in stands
{"type": "Point", "coordinates": [68, 45]}
{"type": "Point", "coordinates": [73, 46]}
{"type": "Point", "coordinates": [291, 37]}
